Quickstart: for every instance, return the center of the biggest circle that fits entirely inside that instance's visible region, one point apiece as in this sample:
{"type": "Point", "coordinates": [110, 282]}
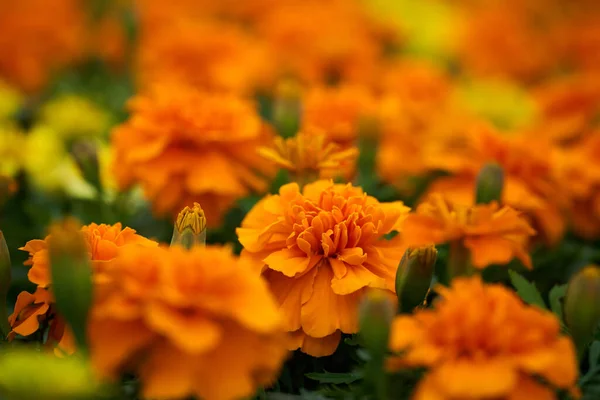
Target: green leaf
{"type": "Point", "coordinates": [594, 354]}
{"type": "Point", "coordinates": [335, 378]}
{"type": "Point", "coordinates": [556, 294]}
{"type": "Point", "coordinates": [527, 290]}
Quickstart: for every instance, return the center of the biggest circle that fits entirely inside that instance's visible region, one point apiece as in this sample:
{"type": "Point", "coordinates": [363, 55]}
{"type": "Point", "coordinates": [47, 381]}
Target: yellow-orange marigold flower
{"type": "Point", "coordinates": [184, 146]}
{"type": "Point", "coordinates": [39, 37]}
{"type": "Point", "coordinates": [481, 342]}
{"type": "Point", "coordinates": [319, 250]}
{"type": "Point", "coordinates": [311, 156]}
{"type": "Point", "coordinates": [196, 322]}
{"type": "Point", "coordinates": [31, 309]}
{"type": "Point", "coordinates": [493, 235]}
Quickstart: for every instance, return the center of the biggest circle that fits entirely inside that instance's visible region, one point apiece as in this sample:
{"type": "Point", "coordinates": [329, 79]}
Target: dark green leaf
{"type": "Point", "coordinates": [527, 290]}
{"type": "Point", "coordinates": [327, 377]}
{"type": "Point", "coordinates": [556, 294]}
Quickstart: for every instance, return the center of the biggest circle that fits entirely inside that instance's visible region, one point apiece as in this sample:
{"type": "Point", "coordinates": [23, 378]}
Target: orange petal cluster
{"type": "Point", "coordinates": [33, 45]}
{"type": "Point", "coordinates": [33, 310]}
{"type": "Point", "coordinates": [189, 322]}
{"type": "Point", "coordinates": [481, 342]}
{"type": "Point", "coordinates": [493, 235]}
{"type": "Point", "coordinates": [182, 145]}
{"type": "Point", "coordinates": [309, 156]}
{"type": "Point", "coordinates": [320, 249]}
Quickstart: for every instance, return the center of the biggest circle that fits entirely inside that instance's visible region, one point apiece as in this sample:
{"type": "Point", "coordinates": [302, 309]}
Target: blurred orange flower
{"type": "Point", "coordinates": [184, 146]}
{"type": "Point", "coordinates": [205, 324]}
{"type": "Point", "coordinates": [205, 54]}
{"type": "Point", "coordinates": [480, 341]}
{"type": "Point", "coordinates": [38, 38]}
{"type": "Point", "coordinates": [103, 243]}
{"type": "Point", "coordinates": [530, 183]}
{"type": "Point", "coordinates": [493, 235]}
{"type": "Point", "coordinates": [311, 156]}
{"type": "Point", "coordinates": [319, 250]}
{"type": "Point", "coordinates": [339, 111]}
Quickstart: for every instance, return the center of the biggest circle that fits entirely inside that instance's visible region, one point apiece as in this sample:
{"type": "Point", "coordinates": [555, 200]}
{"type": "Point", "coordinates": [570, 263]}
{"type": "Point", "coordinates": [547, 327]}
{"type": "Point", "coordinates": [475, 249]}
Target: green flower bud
{"type": "Point", "coordinates": [26, 373]}
{"type": "Point", "coordinates": [71, 276]}
{"type": "Point", "coordinates": [190, 228]}
{"type": "Point", "coordinates": [414, 276]}
{"type": "Point", "coordinates": [5, 279]}
{"type": "Point", "coordinates": [490, 183]}
{"type": "Point", "coordinates": [582, 305]}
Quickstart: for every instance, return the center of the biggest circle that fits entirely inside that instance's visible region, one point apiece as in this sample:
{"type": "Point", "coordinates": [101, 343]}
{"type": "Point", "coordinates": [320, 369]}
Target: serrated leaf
{"type": "Point", "coordinates": [335, 378]}
{"type": "Point", "coordinates": [556, 294]}
{"type": "Point", "coordinates": [527, 290]}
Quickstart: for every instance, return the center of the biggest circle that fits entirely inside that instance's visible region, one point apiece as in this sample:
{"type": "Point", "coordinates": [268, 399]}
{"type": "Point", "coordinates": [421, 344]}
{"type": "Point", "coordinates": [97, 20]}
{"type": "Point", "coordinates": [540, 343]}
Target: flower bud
{"type": "Point", "coordinates": [85, 154]}
{"type": "Point", "coordinates": [5, 279]}
{"type": "Point", "coordinates": [26, 373]}
{"type": "Point", "coordinates": [375, 316]}
{"type": "Point", "coordinates": [287, 109]}
{"type": "Point", "coordinates": [414, 276]}
{"type": "Point", "coordinates": [71, 275]}
{"type": "Point", "coordinates": [190, 227]}
{"type": "Point", "coordinates": [490, 183]}
{"type": "Point", "coordinates": [582, 305]}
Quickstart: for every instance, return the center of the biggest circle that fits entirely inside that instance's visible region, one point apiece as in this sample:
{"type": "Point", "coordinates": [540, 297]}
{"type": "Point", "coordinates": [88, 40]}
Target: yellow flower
{"type": "Point", "coordinates": [481, 342]}
{"type": "Point", "coordinates": [10, 101]}
{"type": "Point", "coordinates": [12, 151]}
{"type": "Point", "coordinates": [50, 167]}
{"type": "Point", "coordinates": [75, 116]}
{"type": "Point", "coordinates": [309, 156]}
{"type": "Point", "coordinates": [320, 249]}
{"type": "Point", "coordinates": [206, 325]}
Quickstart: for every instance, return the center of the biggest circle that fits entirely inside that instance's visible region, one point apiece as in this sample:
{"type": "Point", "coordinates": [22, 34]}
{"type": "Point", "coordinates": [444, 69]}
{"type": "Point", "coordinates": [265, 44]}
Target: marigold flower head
{"type": "Point", "coordinates": [103, 242]}
{"type": "Point", "coordinates": [309, 156]}
{"type": "Point", "coordinates": [199, 327]}
{"type": "Point", "coordinates": [183, 145]}
{"type": "Point", "coordinates": [481, 342]}
{"type": "Point", "coordinates": [319, 249]}
{"type": "Point", "coordinates": [337, 111]}
{"type": "Point", "coordinates": [190, 227]}
{"type": "Point", "coordinates": [493, 235]}
{"type": "Point", "coordinates": [204, 54]}
{"type": "Point", "coordinates": [51, 35]}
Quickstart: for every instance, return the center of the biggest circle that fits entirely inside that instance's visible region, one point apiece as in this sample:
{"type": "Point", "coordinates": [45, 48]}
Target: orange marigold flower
{"type": "Point", "coordinates": [319, 250]}
{"type": "Point", "coordinates": [205, 54]}
{"type": "Point", "coordinates": [530, 183]}
{"type": "Point", "coordinates": [337, 111]}
{"type": "Point", "coordinates": [205, 323]}
{"type": "Point", "coordinates": [184, 146]}
{"type": "Point", "coordinates": [32, 309]}
{"type": "Point", "coordinates": [493, 235]}
{"type": "Point", "coordinates": [311, 156]}
{"type": "Point", "coordinates": [38, 37]}
{"type": "Point", "coordinates": [481, 342]}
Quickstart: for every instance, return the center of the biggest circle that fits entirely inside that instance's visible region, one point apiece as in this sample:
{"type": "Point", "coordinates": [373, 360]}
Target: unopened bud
{"type": "Point", "coordinates": [490, 183]}
{"type": "Point", "coordinates": [287, 108]}
{"type": "Point", "coordinates": [5, 279]}
{"type": "Point", "coordinates": [375, 316]}
{"type": "Point", "coordinates": [582, 305]}
{"type": "Point", "coordinates": [85, 153]}
{"type": "Point", "coordinates": [190, 227]}
{"type": "Point", "coordinates": [414, 276]}
{"type": "Point", "coordinates": [71, 276]}
{"type": "Point", "coordinates": [27, 373]}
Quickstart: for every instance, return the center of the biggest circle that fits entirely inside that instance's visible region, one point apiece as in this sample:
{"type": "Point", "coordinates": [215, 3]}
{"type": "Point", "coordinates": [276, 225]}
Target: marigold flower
{"type": "Point", "coordinates": [190, 227]}
{"type": "Point", "coordinates": [530, 181]}
{"type": "Point", "coordinates": [481, 342]}
{"type": "Point", "coordinates": [73, 116]}
{"type": "Point", "coordinates": [31, 309]}
{"type": "Point", "coordinates": [204, 54]}
{"type": "Point", "coordinates": [309, 156]}
{"type": "Point", "coordinates": [38, 37]}
{"type": "Point", "coordinates": [494, 235]}
{"type": "Point", "coordinates": [338, 111]}
{"type": "Point", "coordinates": [319, 249]}
{"type": "Point", "coordinates": [200, 328]}
{"type": "Point", "coordinates": [182, 145]}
